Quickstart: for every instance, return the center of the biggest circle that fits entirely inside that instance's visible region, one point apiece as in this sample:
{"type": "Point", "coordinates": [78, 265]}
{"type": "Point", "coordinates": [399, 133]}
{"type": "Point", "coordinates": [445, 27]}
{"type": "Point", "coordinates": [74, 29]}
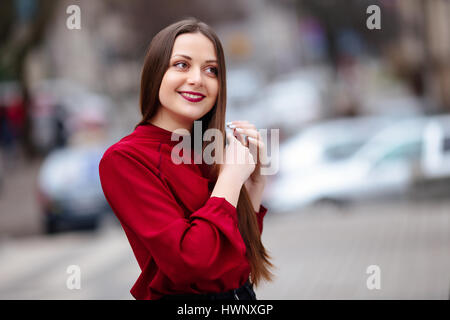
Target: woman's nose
{"type": "Point", "coordinates": [194, 77]}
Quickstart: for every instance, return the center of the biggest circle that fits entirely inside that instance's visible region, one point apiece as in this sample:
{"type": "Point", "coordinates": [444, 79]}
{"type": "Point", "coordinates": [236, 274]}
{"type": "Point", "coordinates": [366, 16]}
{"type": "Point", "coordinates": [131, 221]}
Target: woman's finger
{"type": "Point", "coordinates": [249, 132]}
{"type": "Point", "coordinates": [230, 137]}
{"type": "Point", "coordinates": [236, 122]}
{"type": "Point", "coordinates": [256, 142]}
{"type": "Point", "coordinates": [240, 138]}
{"type": "Point", "coordinates": [243, 130]}
{"type": "Point", "coordinates": [258, 148]}
{"type": "Point", "coordinates": [241, 124]}
{"type": "Point", "coordinates": [257, 145]}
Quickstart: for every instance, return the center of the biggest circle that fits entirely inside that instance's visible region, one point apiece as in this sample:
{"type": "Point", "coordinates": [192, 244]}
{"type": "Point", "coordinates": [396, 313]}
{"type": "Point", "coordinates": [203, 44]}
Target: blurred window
{"type": "Point", "coordinates": [446, 146]}
{"type": "Point", "coordinates": [407, 151]}
{"type": "Point", "coordinates": [343, 151]}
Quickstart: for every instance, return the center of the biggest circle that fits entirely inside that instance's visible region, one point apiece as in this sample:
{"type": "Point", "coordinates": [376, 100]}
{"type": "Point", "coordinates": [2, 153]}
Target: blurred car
{"type": "Point", "coordinates": [436, 160]}
{"type": "Point", "coordinates": [387, 166]}
{"type": "Point", "coordinates": [328, 141]}
{"type": "Point", "coordinates": [69, 189]}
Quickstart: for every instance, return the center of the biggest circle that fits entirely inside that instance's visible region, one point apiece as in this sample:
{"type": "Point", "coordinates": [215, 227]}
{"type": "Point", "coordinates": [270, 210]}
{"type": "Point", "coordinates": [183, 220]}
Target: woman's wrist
{"type": "Point", "coordinates": [255, 189]}
{"type": "Point", "coordinates": [227, 187]}
{"type": "Point", "coordinates": [231, 175]}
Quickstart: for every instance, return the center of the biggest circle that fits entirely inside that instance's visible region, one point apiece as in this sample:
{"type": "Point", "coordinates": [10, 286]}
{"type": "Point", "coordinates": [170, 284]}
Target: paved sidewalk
{"type": "Point", "coordinates": [323, 254]}
{"type": "Point", "coordinates": [19, 210]}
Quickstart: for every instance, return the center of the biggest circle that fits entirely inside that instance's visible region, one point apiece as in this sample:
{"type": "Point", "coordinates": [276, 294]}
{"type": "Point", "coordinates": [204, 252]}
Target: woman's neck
{"type": "Point", "coordinates": [170, 123]}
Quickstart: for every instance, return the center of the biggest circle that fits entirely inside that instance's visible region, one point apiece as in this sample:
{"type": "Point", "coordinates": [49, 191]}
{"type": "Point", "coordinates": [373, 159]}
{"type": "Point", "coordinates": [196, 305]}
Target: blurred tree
{"type": "Point", "coordinates": [22, 27]}
{"type": "Point", "coordinates": [338, 18]}
{"type": "Point", "coordinates": [415, 32]}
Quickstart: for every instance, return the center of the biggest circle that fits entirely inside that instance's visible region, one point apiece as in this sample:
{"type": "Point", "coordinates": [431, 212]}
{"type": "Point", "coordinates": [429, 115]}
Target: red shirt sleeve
{"type": "Point", "coordinates": [206, 245]}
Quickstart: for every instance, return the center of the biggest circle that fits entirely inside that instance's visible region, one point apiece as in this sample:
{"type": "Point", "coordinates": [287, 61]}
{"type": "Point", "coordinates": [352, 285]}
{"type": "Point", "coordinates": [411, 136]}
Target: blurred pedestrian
{"type": "Point", "coordinates": [12, 117]}
{"type": "Point", "coordinates": [195, 229]}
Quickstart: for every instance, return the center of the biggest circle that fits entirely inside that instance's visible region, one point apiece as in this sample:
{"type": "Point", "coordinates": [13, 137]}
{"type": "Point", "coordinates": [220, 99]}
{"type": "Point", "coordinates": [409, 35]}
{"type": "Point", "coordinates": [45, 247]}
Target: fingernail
{"type": "Point", "coordinates": [239, 130]}
{"type": "Point", "coordinates": [231, 126]}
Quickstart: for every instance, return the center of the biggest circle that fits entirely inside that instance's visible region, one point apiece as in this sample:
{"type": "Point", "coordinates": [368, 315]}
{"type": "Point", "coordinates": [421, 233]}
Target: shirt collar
{"type": "Point", "coordinates": [159, 134]}
{"type": "Point", "coordinates": [165, 136]}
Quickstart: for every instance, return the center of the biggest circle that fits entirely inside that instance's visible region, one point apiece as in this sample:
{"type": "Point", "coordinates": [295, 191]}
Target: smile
{"type": "Point", "coordinates": [192, 97]}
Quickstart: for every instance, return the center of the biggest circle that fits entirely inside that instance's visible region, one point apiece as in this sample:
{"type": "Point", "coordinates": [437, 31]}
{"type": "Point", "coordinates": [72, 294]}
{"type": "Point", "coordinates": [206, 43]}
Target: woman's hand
{"type": "Point", "coordinates": [238, 161]}
{"type": "Point", "coordinates": [256, 182]}
{"type": "Point", "coordinates": [237, 164]}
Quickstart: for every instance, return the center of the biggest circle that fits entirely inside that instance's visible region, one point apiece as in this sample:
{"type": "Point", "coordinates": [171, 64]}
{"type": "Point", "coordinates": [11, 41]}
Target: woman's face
{"type": "Point", "coordinates": [190, 85]}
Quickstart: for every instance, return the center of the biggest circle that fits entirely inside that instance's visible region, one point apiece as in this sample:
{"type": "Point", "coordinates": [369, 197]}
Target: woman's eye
{"type": "Point", "coordinates": [212, 70]}
{"type": "Point", "coordinates": [180, 65]}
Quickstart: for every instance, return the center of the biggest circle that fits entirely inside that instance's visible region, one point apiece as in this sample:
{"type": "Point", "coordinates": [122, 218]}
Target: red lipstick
{"type": "Point", "coordinates": [192, 96]}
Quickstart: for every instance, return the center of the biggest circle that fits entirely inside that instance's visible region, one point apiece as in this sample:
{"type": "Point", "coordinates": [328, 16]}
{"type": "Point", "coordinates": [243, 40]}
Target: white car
{"type": "Point", "coordinates": [328, 141]}
{"type": "Point", "coordinates": [387, 166]}
{"type": "Point", "coordinates": [69, 188]}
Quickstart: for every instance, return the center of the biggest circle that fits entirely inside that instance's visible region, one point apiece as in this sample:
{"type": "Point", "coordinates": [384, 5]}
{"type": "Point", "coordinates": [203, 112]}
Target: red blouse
{"type": "Point", "coordinates": [184, 240]}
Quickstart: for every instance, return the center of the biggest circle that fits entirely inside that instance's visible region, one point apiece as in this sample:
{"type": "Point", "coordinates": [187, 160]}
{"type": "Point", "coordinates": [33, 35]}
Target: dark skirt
{"type": "Point", "coordinates": [242, 293]}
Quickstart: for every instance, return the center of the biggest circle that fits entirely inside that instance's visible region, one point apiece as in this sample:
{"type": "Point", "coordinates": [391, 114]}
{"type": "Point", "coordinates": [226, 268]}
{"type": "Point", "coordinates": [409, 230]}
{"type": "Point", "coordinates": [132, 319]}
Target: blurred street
{"type": "Point", "coordinates": [320, 253]}
{"type": "Point", "coordinates": [352, 96]}
{"type": "Point", "coordinates": [18, 206]}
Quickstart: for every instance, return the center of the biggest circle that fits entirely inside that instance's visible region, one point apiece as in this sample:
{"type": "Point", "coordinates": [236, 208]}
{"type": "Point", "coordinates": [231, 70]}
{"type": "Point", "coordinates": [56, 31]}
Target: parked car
{"type": "Point", "coordinates": [69, 188]}
{"type": "Point", "coordinates": [436, 161]}
{"type": "Point", "coordinates": [328, 141]}
{"type": "Point", "coordinates": [386, 166]}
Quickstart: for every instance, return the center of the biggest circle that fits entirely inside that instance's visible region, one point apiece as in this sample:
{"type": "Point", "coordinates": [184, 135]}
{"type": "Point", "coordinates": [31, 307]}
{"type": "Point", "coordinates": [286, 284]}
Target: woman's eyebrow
{"type": "Point", "coordinates": [189, 58]}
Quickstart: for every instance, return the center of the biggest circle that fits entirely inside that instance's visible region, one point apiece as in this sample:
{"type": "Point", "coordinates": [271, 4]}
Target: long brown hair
{"type": "Point", "coordinates": [155, 65]}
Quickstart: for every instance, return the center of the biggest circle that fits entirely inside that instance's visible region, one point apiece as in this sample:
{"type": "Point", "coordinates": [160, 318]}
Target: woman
{"type": "Point", "coordinates": [195, 229]}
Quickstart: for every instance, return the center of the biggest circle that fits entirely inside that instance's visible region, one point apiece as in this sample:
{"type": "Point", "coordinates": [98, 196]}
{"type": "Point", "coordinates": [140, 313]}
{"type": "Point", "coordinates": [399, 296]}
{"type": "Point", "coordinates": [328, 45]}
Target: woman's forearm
{"type": "Point", "coordinates": [255, 192]}
{"type": "Point", "coordinates": [227, 187]}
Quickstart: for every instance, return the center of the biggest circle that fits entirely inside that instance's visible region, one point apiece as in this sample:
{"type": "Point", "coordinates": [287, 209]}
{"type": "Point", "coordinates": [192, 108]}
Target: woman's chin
{"type": "Point", "coordinates": [194, 113]}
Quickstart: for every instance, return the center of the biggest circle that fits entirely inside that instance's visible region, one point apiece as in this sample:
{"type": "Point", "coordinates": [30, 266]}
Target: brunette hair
{"type": "Point", "coordinates": [156, 63]}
